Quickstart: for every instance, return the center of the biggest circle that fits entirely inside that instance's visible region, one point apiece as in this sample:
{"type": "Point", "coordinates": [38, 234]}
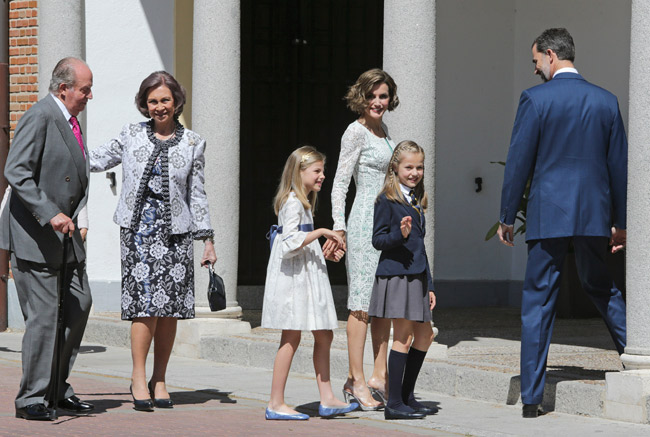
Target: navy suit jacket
{"type": "Point", "coordinates": [569, 135]}
{"type": "Point", "coordinates": [399, 256]}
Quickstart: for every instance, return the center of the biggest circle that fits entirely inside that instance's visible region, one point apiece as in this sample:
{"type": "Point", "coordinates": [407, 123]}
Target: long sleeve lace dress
{"type": "Point", "coordinates": [365, 158]}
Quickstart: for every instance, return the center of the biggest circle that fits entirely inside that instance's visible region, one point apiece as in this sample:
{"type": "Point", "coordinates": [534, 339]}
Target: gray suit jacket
{"type": "Point", "coordinates": [48, 175]}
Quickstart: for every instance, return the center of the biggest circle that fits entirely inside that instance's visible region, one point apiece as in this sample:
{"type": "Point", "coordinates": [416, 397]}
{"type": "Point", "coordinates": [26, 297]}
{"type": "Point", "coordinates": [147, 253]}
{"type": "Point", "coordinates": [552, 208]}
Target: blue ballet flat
{"type": "Point", "coordinates": [275, 415]}
{"type": "Point", "coordinates": [329, 412]}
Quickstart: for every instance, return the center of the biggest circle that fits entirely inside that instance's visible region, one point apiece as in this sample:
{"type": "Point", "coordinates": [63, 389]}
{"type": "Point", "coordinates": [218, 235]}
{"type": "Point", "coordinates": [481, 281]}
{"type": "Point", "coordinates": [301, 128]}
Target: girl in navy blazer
{"type": "Point", "coordinates": [403, 288]}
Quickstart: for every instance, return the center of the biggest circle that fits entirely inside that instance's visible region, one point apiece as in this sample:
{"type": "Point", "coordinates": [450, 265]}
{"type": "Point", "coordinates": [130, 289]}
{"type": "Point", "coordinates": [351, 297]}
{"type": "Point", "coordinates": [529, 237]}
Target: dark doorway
{"type": "Point", "coordinates": [298, 59]}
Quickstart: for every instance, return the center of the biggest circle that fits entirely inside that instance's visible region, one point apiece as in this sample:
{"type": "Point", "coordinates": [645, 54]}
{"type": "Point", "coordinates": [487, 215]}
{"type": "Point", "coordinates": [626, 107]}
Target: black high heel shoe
{"type": "Point", "coordinates": [141, 404]}
{"type": "Point", "coordinates": [160, 403]}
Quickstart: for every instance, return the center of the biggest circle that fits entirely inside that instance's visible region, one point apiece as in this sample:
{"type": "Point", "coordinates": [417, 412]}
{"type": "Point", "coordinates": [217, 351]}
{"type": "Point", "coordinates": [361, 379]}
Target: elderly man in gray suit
{"type": "Point", "coordinates": [48, 173]}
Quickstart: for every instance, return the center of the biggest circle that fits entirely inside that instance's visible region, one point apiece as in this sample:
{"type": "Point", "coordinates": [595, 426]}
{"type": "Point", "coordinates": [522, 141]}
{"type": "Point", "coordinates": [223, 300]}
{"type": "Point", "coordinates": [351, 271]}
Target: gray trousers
{"type": "Point", "coordinates": [36, 285]}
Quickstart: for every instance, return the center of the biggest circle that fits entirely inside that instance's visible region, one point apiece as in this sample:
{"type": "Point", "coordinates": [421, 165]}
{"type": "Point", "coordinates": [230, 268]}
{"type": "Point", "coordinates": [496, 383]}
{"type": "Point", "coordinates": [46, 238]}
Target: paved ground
{"type": "Point", "coordinates": [216, 399]}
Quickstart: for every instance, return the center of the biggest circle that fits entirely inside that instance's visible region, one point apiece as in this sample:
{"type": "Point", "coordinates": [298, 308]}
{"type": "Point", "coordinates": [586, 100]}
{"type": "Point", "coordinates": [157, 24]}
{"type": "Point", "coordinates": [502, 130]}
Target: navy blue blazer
{"type": "Point", "coordinates": [569, 135]}
{"type": "Point", "coordinates": [399, 256]}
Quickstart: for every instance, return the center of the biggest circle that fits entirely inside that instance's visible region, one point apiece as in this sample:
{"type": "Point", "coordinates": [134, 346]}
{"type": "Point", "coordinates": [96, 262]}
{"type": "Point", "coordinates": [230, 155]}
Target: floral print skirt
{"type": "Point", "coordinates": [157, 272]}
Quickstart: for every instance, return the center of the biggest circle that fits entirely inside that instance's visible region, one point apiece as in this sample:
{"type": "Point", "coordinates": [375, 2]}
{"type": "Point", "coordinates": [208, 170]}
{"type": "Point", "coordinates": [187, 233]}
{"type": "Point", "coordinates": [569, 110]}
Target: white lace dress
{"type": "Point", "coordinates": [365, 157]}
{"type": "Point", "coordinates": [297, 293]}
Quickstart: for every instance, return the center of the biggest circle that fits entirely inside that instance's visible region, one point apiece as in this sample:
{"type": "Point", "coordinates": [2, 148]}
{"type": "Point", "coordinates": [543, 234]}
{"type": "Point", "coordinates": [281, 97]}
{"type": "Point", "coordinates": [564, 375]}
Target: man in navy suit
{"type": "Point", "coordinates": [569, 138]}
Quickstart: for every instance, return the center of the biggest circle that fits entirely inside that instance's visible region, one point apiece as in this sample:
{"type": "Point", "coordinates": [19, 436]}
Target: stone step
{"type": "Point", "coordinates": [108, 329]}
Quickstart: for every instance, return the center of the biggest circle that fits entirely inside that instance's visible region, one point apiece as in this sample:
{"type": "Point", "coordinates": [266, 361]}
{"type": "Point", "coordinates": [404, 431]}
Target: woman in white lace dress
{"type": "Point", "coordinates": [366, 148]}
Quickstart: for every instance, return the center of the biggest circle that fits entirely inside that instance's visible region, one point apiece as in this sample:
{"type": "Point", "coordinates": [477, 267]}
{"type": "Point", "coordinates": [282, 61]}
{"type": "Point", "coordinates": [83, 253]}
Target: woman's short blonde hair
{"type": "Point", "coordinates": [391, 182]}
{"type": "Point", "coordinates": [291, 180]}
{"type": "Point", "coordinates": [358, 94]}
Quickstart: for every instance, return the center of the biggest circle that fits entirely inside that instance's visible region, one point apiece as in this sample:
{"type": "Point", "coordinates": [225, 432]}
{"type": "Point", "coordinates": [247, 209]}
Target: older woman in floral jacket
{"type": "Point", "coordinates": [162, 208]}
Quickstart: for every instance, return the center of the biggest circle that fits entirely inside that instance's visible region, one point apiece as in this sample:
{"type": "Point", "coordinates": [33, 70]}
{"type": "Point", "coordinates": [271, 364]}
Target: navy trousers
{"type": "Point", "coordinates": [541, 287]}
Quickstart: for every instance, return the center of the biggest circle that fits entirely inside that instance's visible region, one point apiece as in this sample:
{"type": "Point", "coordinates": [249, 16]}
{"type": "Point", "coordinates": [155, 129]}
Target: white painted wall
{"type": "Point", "coordinates": [474, 118]}
{"type": "Point", "coordinates": [126, 40]}
{"type": "Point", "coordinates": [483, 64]}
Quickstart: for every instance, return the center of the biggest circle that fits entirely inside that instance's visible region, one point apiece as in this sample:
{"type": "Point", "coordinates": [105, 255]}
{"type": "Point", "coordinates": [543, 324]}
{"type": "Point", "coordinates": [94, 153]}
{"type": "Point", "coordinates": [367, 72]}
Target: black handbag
{"type": "Point", "coordinates": [216, 291]}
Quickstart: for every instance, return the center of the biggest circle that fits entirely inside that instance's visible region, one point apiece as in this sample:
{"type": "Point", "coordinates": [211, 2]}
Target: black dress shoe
{"type": "Point", "coordinates": [141, 404]}
{"type": "Point", "coordinates": [159, 403]}
{"type": "Point", "coordinates": [420, 408]}
{"type": "Point", "coordinates": [75, 404]}
{"type": "Point", "coordinates": [34, 412]}
{"type": "Point", "coordinates": [530, 411]}
{"type": "Point", "coordinates": [392, 414]}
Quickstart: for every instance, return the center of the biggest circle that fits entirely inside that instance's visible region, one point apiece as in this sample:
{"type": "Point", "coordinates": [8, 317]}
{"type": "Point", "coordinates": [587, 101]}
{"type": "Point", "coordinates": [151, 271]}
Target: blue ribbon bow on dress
{"type": "Point", "coordinates": [275, 230]}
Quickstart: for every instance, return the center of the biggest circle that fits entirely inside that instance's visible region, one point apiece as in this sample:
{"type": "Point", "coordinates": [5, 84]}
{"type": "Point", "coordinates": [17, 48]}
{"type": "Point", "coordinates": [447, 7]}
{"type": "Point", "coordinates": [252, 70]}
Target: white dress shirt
{"type": "Point", "coordinates": [566, 70]}
{"type": "Point", "coordinates": [406, 191]}
{"type": "Point", "coordinates": [64, 110]}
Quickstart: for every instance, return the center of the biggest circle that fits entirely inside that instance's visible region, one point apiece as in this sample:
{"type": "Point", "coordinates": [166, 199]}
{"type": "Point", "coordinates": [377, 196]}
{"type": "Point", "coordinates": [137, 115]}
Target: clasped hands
{"type": "Point", "coordinates": [335, 246]}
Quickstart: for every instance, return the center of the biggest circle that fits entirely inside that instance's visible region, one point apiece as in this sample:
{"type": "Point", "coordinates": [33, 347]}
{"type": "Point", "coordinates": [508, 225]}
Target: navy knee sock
{"type": "Point", "coordinates": [414, 361]}
{"type": "Point", "coordinates": [396, 364]}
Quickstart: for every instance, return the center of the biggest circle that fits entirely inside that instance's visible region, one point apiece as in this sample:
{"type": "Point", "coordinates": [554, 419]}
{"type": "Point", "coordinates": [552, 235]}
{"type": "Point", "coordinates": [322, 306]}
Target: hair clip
{"type": "Point", "coordinates": [305, 157]}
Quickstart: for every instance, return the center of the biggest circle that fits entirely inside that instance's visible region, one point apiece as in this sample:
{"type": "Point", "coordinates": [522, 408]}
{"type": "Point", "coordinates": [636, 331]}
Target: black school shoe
{"type": "Point", "coordinates": [392, 414]}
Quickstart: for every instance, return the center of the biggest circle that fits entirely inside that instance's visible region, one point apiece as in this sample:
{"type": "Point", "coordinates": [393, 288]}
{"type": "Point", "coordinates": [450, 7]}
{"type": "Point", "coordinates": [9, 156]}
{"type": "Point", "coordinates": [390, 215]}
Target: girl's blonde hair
{"type": "Point", "coordinates": [299, 160]}
{"type": "Point", "coordinates": [391, 182]}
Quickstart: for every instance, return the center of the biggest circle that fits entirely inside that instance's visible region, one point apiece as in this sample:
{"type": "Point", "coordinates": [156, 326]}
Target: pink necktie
{"type": "Point", "coordinates": [76, 130]}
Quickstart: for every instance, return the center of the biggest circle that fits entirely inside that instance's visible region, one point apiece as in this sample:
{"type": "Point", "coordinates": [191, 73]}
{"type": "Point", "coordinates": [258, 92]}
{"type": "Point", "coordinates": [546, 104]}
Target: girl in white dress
{"type": "Point", "coordinates": [297, 293]}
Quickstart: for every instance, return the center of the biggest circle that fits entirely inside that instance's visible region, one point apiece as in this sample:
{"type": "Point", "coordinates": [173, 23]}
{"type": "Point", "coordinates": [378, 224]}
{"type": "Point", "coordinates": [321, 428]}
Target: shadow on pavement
{"type": "Point", "coordinates": [311, 409]}
{"type": "Point", "coordinates": [201, 397]}
{"type": "Point", "coordinates": [91, 349]}
{"type": "Point", "coordinates": [101, 401]}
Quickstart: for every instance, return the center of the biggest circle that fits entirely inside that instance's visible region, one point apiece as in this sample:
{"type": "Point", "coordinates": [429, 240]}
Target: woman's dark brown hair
{"type": "Point", "coordinates": [155, 80]}
{"type": "Point", "coordinates": [357, 95]}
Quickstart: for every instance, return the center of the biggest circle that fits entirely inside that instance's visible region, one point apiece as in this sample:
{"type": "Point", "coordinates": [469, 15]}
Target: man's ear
{"type": "Point", "coordinates": [551, 54]}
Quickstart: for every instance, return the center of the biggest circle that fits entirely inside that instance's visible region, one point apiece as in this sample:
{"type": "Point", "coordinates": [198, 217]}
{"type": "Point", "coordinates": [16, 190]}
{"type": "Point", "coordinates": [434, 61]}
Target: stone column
{"type": "Point", "coordinates": [61, 33]}
{"type": "Point", "coordinates": [637, 352]}
{"type": "Point", "coordinates": [628, 392]}
{"type": "Point", "coordinates": [410, 58]}
{"type": "Point", "coordinates": [215, 116]}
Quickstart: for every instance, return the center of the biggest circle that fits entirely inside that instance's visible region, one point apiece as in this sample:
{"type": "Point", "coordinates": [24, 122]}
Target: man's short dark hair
{"type": "Point", "coordinates": [559, 40]}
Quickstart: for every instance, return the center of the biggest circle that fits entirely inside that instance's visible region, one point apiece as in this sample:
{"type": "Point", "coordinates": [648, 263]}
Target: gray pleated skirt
{"type": "Point", "coordinates": [400, 297]}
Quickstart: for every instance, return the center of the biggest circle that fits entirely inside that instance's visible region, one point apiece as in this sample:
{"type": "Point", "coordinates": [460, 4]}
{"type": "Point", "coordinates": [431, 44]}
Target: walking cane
{"type": "Point", "coordinates": [60, 331]}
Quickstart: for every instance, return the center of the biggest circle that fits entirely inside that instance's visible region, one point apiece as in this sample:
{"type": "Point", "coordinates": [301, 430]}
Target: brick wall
{"type": "Point", "coordinates": [23, 58]}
